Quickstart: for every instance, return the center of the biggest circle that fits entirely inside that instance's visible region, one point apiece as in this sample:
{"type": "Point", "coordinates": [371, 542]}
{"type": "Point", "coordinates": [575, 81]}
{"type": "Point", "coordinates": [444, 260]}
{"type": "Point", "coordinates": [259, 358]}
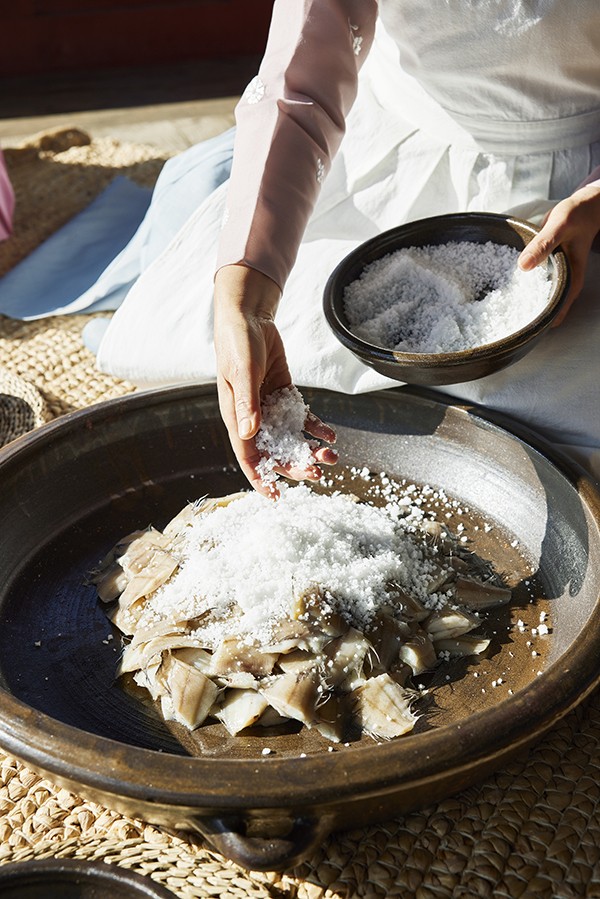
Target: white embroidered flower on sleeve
{"type": "Point", "coordinates": [320, 171]}
{"type": "Point", "coordinates": [255, 91]}
{"type": "Point", "coordinates": [356, 39]}
{"type": "Point", "coordinates": [225, 217]}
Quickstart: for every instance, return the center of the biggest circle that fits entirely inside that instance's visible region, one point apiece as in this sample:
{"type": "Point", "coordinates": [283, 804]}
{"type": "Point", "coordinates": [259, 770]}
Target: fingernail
{"type": "Point", "coordinates": [527, 261]}
{"type": "Point", "coordinates": [245, 428]}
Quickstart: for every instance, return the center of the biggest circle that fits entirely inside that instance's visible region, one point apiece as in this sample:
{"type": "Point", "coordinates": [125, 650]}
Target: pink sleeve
{"type": "Point", "coordinates": [7, 201]}
{"type": "Point", "coordinates": [592, 178]}
{"type": "Point", "coordinates": [290, 122]}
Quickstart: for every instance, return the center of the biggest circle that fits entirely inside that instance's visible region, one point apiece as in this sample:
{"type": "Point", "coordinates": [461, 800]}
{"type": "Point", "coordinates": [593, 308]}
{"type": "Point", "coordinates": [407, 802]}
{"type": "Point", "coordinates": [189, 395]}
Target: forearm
{"type": "Point", "coordinates": [290, 123]}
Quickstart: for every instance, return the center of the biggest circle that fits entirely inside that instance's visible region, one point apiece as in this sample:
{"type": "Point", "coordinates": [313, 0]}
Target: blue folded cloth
{"type": "Point", "coordinates": [54, 278]}
{"type": "Point", "coordinates": [93, 261]}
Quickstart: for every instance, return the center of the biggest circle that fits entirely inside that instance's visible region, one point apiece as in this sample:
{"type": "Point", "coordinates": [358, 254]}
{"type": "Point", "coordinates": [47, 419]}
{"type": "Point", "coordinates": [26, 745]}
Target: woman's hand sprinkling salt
{"type": "Point", "coordinates": [573, 224]}
{"type": "Point", "coordinates": [251, 365]}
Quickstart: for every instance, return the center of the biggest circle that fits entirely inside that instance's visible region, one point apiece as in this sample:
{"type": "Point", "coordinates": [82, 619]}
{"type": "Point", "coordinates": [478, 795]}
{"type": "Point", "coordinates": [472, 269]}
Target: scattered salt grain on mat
{"type": "Point", "coordinates": [281, 437]}
{"type": "Point", "coordinates": [446, 298]}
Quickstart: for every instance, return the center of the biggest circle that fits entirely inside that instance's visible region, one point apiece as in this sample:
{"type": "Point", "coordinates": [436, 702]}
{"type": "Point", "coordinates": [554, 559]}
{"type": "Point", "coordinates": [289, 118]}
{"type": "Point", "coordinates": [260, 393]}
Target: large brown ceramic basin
{"type": "Point", "coordinates": [71, 489]}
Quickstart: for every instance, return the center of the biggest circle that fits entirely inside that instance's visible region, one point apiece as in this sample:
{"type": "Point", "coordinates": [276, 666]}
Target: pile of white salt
{"type": "Point", "coordinates": [247, 562]}
{"type": "Point", "coordinates": [446, 298]}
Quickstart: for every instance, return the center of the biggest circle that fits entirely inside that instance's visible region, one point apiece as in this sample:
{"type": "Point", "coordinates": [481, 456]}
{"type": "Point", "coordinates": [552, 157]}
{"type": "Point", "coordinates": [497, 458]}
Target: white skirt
{"type": "Point", "coordinates": [390, 169]}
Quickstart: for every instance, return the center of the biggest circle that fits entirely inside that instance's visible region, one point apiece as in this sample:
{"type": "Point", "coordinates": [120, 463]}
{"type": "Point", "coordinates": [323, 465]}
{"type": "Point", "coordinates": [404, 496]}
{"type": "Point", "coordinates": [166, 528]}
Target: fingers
{"type": "Point", "coordinates": [227, 404]}
{"type": "Point", "coordinates": [244, 301]}
{"type": "Point", "coordinates": [572, 224]}
{"type": "Point", "coordinates": [245, 450]}
{"type": "Point", "coordinates": [251, 361]}
{"type": "Point", "coordinates": [312, 473]}
{"type": "Point", "coordinates": [247, 408]}
{"type": "Point", "coordinates": [240, 372]}
{"type": "Point", "coordinates": [239, 403]}
{"type": "Point", "coordinates": [249, 457]}
{"type": "Point", "coordinates": [540, 247]}
{"type": "Point", "coordinates": [317, 428]}
{"type": "Point", "coordinates": [326, 455]}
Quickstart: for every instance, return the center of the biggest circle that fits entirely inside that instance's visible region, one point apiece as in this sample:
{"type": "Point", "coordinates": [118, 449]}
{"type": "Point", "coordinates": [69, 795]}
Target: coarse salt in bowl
{"type": "Point", "coordinates": [441, 300]}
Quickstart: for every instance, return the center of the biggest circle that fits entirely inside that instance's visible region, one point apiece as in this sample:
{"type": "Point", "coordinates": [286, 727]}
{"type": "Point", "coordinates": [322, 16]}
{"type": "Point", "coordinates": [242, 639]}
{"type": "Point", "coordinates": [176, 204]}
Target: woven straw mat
{"type": "Point", "coordinates": [533, 829]}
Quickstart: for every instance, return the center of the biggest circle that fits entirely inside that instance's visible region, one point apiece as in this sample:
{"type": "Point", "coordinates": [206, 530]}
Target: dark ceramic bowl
{"type": "Point", "coordinates": [71, 489]}
{"type": "Point", "coordinates": [74, 879]}
{"type": "Point", "coordinates": [434, 369]}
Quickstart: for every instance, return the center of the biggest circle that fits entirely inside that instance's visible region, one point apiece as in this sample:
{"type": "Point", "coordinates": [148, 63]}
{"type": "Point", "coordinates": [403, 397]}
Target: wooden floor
{"type": "Point", "coordinates": [170, 107]}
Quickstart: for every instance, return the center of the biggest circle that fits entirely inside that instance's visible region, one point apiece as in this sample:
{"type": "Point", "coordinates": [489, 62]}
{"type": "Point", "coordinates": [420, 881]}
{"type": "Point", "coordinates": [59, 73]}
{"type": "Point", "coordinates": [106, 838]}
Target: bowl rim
{"type": "Point", "coordinates": [72, 754]}
{"type": "Point", "coordinates": [92, 873]}
{"type": "Point", "coordinates": [557, 259]}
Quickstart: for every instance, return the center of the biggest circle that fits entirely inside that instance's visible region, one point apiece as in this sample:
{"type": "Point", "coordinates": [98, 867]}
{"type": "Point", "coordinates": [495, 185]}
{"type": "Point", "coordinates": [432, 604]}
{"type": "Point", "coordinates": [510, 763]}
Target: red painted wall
{"type": "Point", "coordinates": [39, 36]}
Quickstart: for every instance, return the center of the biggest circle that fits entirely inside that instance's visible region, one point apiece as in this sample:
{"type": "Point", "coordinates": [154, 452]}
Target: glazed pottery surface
{"type": "Point", "coordinates": [71, 489]}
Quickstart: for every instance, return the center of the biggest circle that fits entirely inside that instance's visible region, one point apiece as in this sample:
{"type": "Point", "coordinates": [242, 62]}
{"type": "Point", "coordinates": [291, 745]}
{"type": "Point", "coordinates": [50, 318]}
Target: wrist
{"type": "Point", "coordinates": [589, 194]}
{"type": "Point", "coordinates": [244, 289]}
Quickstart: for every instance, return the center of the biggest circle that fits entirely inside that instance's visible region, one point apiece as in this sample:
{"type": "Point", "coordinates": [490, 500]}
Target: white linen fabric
{"type": "Point", "coordinates": [462, 105]}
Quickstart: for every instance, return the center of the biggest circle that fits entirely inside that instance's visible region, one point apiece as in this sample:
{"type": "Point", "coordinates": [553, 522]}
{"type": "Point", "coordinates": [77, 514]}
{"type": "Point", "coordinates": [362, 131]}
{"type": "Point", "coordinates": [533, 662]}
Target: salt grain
{"type": "Point", "coordinates": [445, 298]}
{"type": "Point", "coordinates": [280, 438]}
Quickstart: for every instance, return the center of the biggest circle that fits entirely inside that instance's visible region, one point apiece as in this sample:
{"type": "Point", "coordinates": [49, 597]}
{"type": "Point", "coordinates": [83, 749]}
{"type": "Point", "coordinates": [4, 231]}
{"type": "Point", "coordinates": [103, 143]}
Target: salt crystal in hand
{"type": "Point", "coordinates": [280, 438]}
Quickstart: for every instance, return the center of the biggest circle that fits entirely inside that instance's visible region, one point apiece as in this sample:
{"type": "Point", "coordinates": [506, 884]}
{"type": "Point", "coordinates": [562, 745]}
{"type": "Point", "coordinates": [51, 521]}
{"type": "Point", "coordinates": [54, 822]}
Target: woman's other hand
{"type": "Point", "coordinates": [251, 362]}
{"type": "Point", "coordinates": [573, 223]}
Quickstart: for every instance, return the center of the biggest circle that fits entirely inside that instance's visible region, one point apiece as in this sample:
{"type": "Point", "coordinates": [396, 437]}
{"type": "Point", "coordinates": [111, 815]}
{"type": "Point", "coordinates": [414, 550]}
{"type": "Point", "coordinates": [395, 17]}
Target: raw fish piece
{"type": "Point", "coordinates": [449, 622]}
{"type": "Point", "coordinates": [344, 657]}
{"type": "Point", "coordinates": [382, 707]}
{"type": "Point", "coordinates": [241, 709]}
{"type": "Point", "coordinates": [466, 645]}
{"type": "Point", "coordinates": [333, 717]}
{"type": "Point", "coordinates": [386, 635]}
{"type": "Point", "coordinates": [294, 695]}
{"type": "Point", "coordinates": [192, 694]}
{"type": "Point", "coordinates": [476, 595]}
{"type": "Point", "coordinates": [418, 653]}
{"type": "Point", "coordinates": [232, 655]}
{"type": "Point", "coordinates": [141, 655]}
